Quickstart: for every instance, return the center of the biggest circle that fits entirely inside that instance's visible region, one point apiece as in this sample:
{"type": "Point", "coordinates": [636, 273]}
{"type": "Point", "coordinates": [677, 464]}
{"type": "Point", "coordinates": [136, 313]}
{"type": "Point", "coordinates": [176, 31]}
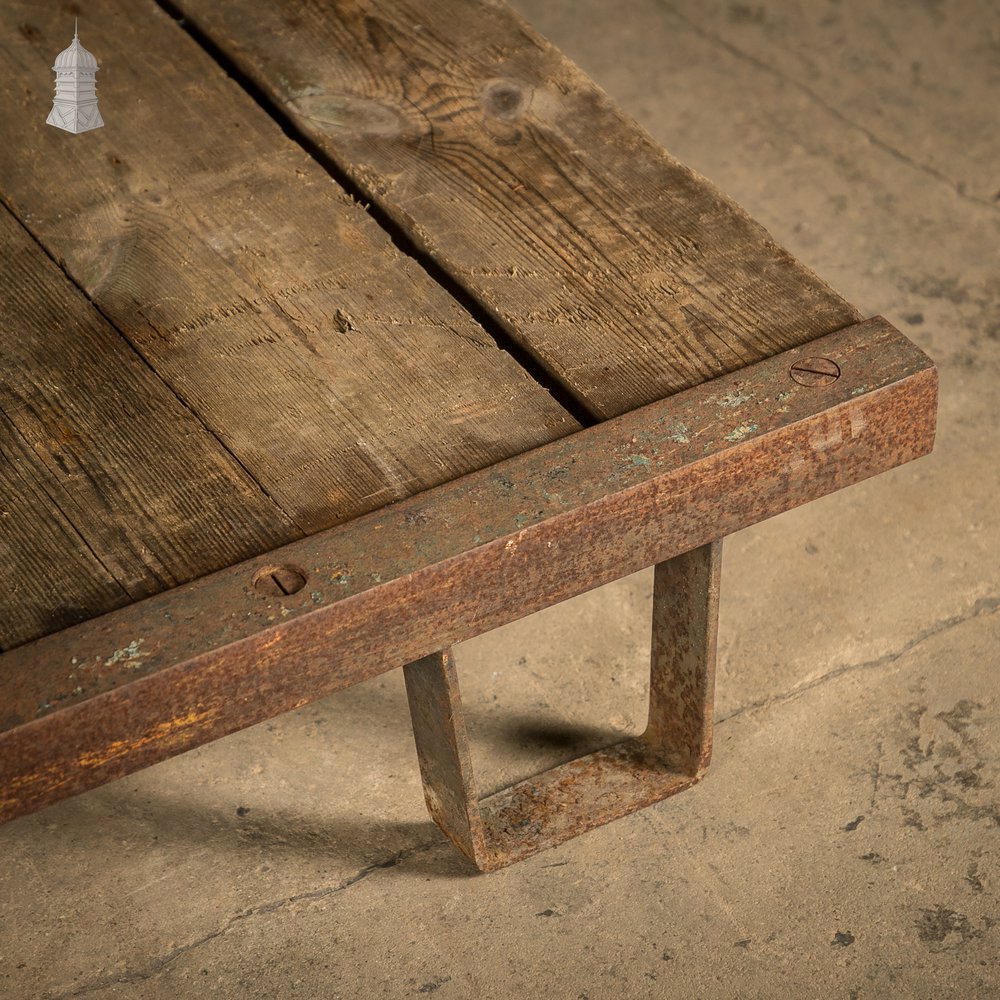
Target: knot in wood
{"type": "Point", "coordinates": [506, 99]}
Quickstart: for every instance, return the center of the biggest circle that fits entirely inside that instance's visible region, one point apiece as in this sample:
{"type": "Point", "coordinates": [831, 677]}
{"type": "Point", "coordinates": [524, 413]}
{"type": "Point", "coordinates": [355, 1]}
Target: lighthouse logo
{"type": "Point", "coordinates": [75, 106]}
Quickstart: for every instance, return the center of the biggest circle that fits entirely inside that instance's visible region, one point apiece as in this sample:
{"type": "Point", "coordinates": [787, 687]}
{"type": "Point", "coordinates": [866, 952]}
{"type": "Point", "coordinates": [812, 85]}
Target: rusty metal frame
{"type": "Point", "coordinates": [672, 754]}
{"type": "Point", "coordinates": [104, 698]}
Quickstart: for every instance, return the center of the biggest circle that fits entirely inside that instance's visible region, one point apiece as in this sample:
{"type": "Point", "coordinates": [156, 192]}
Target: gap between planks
{"type": "Point", "coordinates": [545, 378]}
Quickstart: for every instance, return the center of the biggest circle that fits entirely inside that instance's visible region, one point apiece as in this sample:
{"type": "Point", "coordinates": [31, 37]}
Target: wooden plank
{"type": "Point", "coordinates": [153, 498]}
{"type": "Point", "coordinates": [104, 698]}
{"type": "Point", "coordinates": [41, 553]}
{"type": "Point", "coordinates": [620, 270]}
{"type": "Point", "coordinates": [328, 364]}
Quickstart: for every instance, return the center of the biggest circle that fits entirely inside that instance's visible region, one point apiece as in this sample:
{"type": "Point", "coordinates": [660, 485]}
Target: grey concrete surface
{"type": "Point", "coordinates": [845, 842]}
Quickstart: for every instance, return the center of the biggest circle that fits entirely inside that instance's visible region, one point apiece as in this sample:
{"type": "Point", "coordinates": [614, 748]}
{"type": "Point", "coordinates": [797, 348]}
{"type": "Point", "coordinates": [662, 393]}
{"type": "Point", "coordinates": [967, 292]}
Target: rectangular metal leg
{"type": "Point", "coordinates": [592, 790]}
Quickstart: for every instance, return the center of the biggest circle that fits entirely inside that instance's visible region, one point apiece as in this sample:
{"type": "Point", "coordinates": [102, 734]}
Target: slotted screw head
{"type": "Point", "coordinates": [278, 581]}
{"type": "Point", "coordinates": [815, 371]}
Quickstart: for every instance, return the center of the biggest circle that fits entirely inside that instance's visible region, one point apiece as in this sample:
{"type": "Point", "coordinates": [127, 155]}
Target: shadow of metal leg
{"type": "Point", "coordinates": [592, 790]}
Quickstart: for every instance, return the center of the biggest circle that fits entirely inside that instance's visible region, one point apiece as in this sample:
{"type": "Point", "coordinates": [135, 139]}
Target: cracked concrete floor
{"type": "Point", "coordinates": [844, 843]}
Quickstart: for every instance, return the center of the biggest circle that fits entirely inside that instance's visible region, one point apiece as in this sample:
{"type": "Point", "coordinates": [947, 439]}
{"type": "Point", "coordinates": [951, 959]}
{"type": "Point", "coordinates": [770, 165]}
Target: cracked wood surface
{"type": "Point", "coordinates": [623, 273]}
{"type": "Point", "coordinates": [99, 504]}
{"type": "Point", "coordinates": [267, 364]}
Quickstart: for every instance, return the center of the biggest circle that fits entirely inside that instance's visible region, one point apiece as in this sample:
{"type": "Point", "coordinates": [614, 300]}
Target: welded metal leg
{"type": "Point", "coordinates": [682, 667]}
{"type": "Point", "coordinates": [443, 751]}
{"type": "Point", "coordinates": [671, 755]}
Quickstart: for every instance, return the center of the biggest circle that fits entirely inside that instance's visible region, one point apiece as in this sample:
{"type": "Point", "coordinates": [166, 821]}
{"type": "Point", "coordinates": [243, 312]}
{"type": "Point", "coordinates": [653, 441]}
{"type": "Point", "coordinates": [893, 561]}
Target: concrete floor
{"type": "Point", "coordinates": [845, 842]}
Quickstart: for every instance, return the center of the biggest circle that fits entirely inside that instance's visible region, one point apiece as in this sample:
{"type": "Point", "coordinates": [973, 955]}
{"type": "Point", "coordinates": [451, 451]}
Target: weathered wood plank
{"type": "Point", "coordinates": [620, 270]}
{"type": "Point", "coordinates": [252, 300]}
{"type": "Point", "coordinates": [153, 498]}
{"type": "Point", "coordinates": [41, 553]}
{"type": "Point", "coordinates": [328, 363]}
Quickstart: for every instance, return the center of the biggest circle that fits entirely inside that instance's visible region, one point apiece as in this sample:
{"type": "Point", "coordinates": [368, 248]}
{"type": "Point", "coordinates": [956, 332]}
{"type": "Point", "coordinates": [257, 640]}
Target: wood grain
{"type": "Point", "coordinates": [622, 272]}
{"type": "Point", "coordinates": [101, 444]}
{"type": "Point", "coordinates": [340, 376]}
{"type": "Point", "coordinates": [51, 579]}
{"type": "Point", "coordinates": [249, 300]}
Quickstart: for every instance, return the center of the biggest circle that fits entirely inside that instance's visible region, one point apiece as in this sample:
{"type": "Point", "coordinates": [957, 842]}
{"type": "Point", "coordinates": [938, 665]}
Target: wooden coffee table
{"type": "Point", "coordinates": [362, 329]}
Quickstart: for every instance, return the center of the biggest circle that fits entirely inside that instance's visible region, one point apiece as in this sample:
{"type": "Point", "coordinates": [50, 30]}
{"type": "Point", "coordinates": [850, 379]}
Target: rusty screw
{"type": "Point", "coordinates": [815, 371]}
{"type": "Point", "coordinates": [278, 581]}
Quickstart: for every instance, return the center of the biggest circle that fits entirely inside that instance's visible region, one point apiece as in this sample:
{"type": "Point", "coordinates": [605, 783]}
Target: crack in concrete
{"type": "Point", "coordinates": [983, 606]}
{"type": "Point", "coordinates": [710, 36]}
{"type": "Point", "coordinates": [876, 775]}
{"type": "Point", "coordinates": [157, 965]}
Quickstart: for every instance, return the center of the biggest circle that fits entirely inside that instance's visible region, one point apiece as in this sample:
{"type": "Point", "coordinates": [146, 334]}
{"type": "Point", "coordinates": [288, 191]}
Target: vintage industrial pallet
{"type": "Point", "coordinates": [258, 443]}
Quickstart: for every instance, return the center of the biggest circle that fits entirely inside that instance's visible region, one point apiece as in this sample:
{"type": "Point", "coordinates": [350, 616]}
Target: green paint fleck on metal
{"type": "Point", "coordinates": [741, 432]}
{"type": "Point", "coordinates": [317, 597]}
{"type": "Point", "coordinates": [521, 519]}
{"type": "Point", "coordinates": [860, 389]}
{"type": "Point", "coordinates": [340, 576]}
{"type": "Point", "coordinates": [678, 432]}
{"type": "Point", "coordinates": [733, 400]}
{"type": "Point", "coordinates": [638, 460]}
{"type": "Point", "coordinates": [782, 396]}
{"type": "Point", "coordinates": [129, 654]}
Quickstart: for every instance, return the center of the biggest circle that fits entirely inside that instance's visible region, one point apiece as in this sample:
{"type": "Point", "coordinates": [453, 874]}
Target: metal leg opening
{"type": "Point", "coordinates": [565, 801]}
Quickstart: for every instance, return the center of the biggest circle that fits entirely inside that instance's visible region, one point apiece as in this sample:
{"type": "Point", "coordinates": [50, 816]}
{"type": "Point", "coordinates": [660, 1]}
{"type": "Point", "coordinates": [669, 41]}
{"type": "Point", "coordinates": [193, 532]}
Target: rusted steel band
{"type": "Point", "coordinates": [123, 691]}
{"type": "Point", "coordinates": [595, 788]}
